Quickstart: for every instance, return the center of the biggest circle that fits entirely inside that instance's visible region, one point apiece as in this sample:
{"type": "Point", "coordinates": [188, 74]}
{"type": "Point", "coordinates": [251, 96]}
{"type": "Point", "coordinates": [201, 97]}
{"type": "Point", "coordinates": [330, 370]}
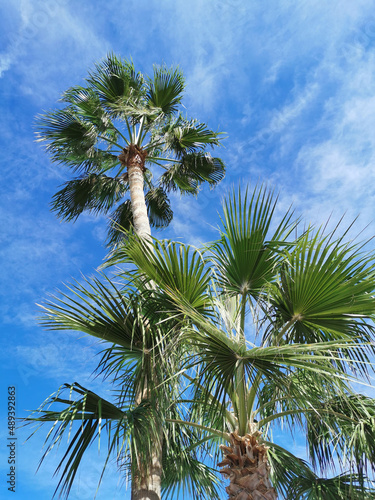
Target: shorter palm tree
{"type": "Point", "coordinates": [278, 336]}
{"type": "Point", "coordinates": [268, 331]}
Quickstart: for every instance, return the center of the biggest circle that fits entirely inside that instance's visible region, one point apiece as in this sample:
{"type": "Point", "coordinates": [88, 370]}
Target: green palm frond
{"type": "Point", "coordinates": [158, 207]}
{"type": "Point", "coordinates": [186, 477]}
{"type": "Point", "coordinates": [125, 430]}
{"type": "Point", "coordinates": [67, 133]}
{"type": "Point", "coordinates": [116, 83]}
{"type": "Point", "coordinates": [94, 415]}
{"type": "Point", "coordinates": [193, 169]}
{"type": "Point", "coordinates": [247, 254]}
{"type": "Point", "coordinates": [100, 310]}
{"type": "Point", "coordinates": [342, 487]}
{"type": "Point", "coordinates": [222, 356]}
{"type": "Point", "coordinates": [94, 193]}
{"type": "Point", "coordinates": [301, 393]}
{"type": "Point", "coordinates": [85, 103]}
{"type": "Point", "coordinates": [348, 431]}
{"type": "Point", "coordinates": [186, 465]}
{"type": "Point", "coordinates": [165, 89]}
{"type": "Point", "coordinates": [295, 480]}
{"type": "Point", "coordinates": [184, 136]}
{"type": "Point", "coordinates": [174, 267]}
{"type": "Point", "coordinates": [121, 222]}
{"type": "Point", "coordinates": [325, 286]}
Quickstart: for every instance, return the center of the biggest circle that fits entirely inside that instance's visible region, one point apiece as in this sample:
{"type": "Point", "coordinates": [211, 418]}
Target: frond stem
{"type": "Point", "coordinates": [286, 328]}
{"type": "Point", "coordinates": [224, 435]}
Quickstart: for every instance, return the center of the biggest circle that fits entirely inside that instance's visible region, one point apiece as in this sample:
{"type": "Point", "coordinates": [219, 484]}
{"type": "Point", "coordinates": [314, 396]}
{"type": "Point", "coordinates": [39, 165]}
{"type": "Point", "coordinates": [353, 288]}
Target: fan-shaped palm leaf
{"type": "Point", "coordinates": [165, 89]}
{"type": "Point", "coordinates": [246, 254]}
{"type": "Point", "coordinates": [94, 193]}
{"type": "Point", "coordinates": [193, 169]}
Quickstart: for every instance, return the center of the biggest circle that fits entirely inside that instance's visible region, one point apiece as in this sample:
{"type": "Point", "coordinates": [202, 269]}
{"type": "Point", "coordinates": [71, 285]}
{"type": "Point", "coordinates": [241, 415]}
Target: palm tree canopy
{"type": "Point", "coordinates": [120, 112]}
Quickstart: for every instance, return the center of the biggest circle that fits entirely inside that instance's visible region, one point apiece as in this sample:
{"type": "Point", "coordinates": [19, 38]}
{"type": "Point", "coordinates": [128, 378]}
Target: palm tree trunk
{"type": "Point", "coordinates": [245, 464]}
{"type": "Point", "coordinates": [146, 482]}
{"type": "Point", "coordinates": [135, 160]}
{"type": "Point", "coordinates": [147, 485]}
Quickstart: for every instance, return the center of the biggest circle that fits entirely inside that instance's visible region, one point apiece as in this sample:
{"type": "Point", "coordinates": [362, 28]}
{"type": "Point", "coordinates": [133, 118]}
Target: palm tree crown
{"type": "Point", "coordinates": [112, 131]}
{"type": "Point", "coordinates": [274, 340]}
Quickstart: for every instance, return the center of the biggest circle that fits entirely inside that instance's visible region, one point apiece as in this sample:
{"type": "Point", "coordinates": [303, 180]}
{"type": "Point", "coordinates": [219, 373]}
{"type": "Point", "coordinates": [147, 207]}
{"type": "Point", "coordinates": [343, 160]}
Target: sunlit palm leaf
{"type": "Point", "coordinates": [116, 83]}
{"type": "Point", "coordinates": [84, 102]}
{"type": "Point", "coordinates": [184, 136]}
{"type": "Point", "coordinates": [325, 293]}
{"type": "Point", "coordinates": [66, 131]}
{"type": "Point", "coordinates": [247, 254]}
{"type": "Point", "coordinates": [102, 311]}
{"type": "Point", "coordinates": [165, 89]}
{"type": "Point", "coordinates": [174, 267]}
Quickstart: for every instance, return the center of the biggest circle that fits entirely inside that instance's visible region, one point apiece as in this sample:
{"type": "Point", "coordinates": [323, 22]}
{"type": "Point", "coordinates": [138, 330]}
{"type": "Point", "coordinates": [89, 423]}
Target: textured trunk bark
{"type": "Point", "coordinates": [147, 486]}
{"type": "Point", "coordinates": [134, 159]}
{"type": "Point", "coordinates": [245, 464]}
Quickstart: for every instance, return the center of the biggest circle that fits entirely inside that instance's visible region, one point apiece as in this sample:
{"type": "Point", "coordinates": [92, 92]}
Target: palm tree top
{"type": "Point", "coordinates": [117, 116]}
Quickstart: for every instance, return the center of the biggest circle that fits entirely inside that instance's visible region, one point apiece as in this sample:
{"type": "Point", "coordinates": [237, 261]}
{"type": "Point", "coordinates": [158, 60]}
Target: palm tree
{"type": "Point", "coordinates": [274, 340]}
{"type": "Point", "coordinates": [112, 131]}
{"type": "Point", "coordinates": [271, 330]}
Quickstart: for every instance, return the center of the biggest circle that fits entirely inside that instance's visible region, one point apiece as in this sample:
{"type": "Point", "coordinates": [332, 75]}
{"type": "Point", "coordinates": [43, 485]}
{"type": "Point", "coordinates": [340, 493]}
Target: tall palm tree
{"type": "Point", "coordinates": [117, 132]}
{"type": "Point", "coordinates": [111, 132]}
{"type": "Point", "coordinates": [275, 340]}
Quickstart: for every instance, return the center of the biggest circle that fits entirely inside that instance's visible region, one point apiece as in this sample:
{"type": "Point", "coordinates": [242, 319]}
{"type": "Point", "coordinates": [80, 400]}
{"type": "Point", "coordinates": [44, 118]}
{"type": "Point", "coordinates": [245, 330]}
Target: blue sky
{"type": "Point", "coordinates": [291, 83]}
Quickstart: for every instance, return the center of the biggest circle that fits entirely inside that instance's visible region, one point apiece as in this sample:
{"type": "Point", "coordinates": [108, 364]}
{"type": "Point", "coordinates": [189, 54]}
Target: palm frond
{"type": "Point", "coordinates": [117, 84]}
{"type": "Point", "coordinates": [192, 170]}
{"type": "Point", "coordinates": [158, 208]}
{"type": "Point", "coordinates": [165, 89]}
{"type": "Point", "coordinates": [347, 431]}
{"type": "Point", "coordinates": [294, 479]}
{"type": "Point", "coordinates": [184, 472]}
{"type": "Point", "coordinates": [86, 104]}
{"type": "Point", "coordinates": [184, 136]}
{"type": "Point", "coordinates": [94, 193]}
{"type": "Point", "coordinates": [95, 416]}
{"type": "Point", "coordinates": [121, 222]}
{"type": "Point", "coordinates": [324, 292]}
{"type": "Point", "coordinates": [173, 267]}
{"type": "Point", "coordinates": [100, 310]}
{"type": "Point", "coordinates": [246, 255]}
